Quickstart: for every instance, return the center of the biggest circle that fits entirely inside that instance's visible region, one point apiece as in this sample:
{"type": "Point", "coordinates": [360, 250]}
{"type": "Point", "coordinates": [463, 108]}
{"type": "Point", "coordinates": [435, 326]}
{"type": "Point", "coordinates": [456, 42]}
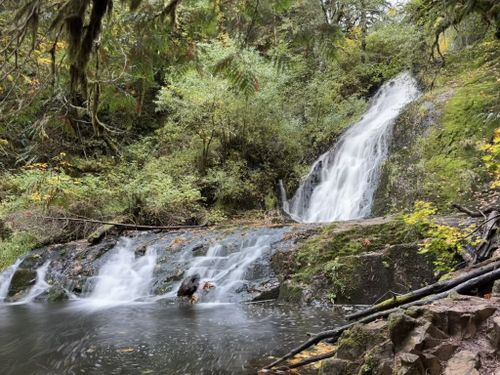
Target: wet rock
{"type": "Point", "coordinates": [267, 291]}
{"type": "Point", "coordinates": [290, 291]}
{"type": "Point", "coordinates": [22, 280]}
{"type": "Point", "coordinates": [56, 294]}
{"type": "Point", "coordinates": [200, 249]}
{"type": "Point", "coordinates": [141, 250]}
{"type": "Point", "coordinates": [366, 277]}
{"type": "Point", "coordinates": [32, 261]}
{"type": "Point", "coordinates": [77, 269]}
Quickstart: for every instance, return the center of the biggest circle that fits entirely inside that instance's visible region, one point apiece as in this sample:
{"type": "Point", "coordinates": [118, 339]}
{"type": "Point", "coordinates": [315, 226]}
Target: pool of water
{"type": "Point", "coordinates": [151, 338]}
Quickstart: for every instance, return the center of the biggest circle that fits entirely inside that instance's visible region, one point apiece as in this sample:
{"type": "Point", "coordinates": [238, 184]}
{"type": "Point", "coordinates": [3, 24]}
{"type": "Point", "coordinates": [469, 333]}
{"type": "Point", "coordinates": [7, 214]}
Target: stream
{"type": "Point", "coordinates": [150, 338]}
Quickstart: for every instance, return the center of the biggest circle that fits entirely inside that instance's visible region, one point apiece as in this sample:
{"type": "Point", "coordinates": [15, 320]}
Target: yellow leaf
{"type": "Point", "coordinates": [125, 350]}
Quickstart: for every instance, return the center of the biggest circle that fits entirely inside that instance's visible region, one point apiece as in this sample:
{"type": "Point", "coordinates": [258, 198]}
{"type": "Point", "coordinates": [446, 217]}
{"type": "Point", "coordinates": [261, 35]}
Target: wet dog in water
{"type": "Point", "coordinates": [189, 286]}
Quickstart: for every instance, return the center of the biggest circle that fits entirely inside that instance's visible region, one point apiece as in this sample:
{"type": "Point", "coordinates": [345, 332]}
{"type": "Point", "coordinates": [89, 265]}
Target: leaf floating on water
{"type": "Point", "coordinates": [319, 349]}
{"type": "Point", "coordinates": [125, 350]}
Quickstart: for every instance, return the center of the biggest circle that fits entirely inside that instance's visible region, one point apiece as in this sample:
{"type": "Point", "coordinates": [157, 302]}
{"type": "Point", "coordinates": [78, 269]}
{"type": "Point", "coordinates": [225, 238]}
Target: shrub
{"type": "Point", "coordinates": [446, 244]}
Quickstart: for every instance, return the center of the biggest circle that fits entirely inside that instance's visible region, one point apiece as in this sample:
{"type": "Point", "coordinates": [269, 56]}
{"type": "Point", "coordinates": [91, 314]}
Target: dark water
{"type": "Point", "coordinates": [156, 338]}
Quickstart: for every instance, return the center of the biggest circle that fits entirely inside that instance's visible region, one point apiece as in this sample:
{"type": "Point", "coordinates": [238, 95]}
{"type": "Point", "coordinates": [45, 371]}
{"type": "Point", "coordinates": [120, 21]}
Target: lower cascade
{"type": "Point", "coordinates": [5, 279]}
{"type": "Point", "coordinates": [224, 272]}
{"type": "Point", "coordinates": [40, 285]}
{"type": "Point", "coordinates": [232, 268]}
{"type": "Point", "coordinates": [125, 277]}
{"type": "Point", "coordinates": [342, 182]}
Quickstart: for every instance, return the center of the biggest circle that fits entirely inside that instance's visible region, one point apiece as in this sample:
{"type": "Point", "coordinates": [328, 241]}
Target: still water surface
{"type": "Point", "coordinates": [152, 338]}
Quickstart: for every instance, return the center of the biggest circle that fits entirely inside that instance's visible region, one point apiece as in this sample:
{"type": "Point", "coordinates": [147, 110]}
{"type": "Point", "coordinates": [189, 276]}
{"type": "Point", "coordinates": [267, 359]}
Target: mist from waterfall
{"type": "Point", "coordinates": [342, 182]}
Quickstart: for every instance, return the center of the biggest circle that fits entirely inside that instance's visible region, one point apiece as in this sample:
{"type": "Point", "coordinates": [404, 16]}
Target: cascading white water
{"type": "Point", "coordinates": [228, 271]}
{"type": "Point", "coordinates": [39, 287]}
{"type": "Point", "coordinates": [124, 277]}
{"type": "Point", "coordinates": [342, 182]}
{"type": "Point", "coordinates": [6, 278]}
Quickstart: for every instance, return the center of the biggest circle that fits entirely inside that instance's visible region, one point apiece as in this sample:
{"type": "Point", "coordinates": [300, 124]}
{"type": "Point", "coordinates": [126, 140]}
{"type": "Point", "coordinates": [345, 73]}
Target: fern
{"type": "Point", "coordinates": [239, 73]}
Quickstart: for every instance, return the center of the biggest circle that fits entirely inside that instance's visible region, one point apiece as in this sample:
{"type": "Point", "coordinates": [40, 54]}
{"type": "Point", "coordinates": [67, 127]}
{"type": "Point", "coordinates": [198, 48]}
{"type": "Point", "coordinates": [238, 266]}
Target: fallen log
{"type": "Point", "coordinates": [425, 291]}
{"type": "Point", "coordinates": [334, 335]}
{"type": "Point", "coordinates": [130, 226]}
{"type": "Point", "coordinates": [472, 213]}
{"type": "Point", "coordinates": [487, 246]}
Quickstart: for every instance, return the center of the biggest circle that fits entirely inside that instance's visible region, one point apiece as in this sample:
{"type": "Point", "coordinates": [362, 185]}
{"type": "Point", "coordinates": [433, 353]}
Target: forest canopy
{"type": "Point", "coordinates": [192, 111]}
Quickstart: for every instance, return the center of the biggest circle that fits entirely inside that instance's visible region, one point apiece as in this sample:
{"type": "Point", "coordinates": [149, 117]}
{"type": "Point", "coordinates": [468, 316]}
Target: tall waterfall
{"type": "Point", "coordinates": [342, 182]}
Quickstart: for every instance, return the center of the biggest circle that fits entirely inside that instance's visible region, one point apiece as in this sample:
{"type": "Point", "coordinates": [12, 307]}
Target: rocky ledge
{"type": "Point", "coordinates": [454, 336]}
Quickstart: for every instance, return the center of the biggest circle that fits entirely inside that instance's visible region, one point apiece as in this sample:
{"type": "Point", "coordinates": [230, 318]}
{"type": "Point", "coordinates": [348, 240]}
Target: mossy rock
{"type": "Point", "coordinates": [96, 236]}
{"type": "Point", "coordinates": [334, 366]}
{"type": "Point", "coordinates": [360, 278]}
{"type": "Point", "coordinates": [313, 255]}
{"type": "Point", "coordinates": [22, 280]}
{"type": "Point", "coordinates": [56, 294]}
{"type": "Point", "coordinates": [290, 291]}
{"type": "Point", "coordinates": [32, 260]}
{"type": "Point", "coordinates": [356, 341]}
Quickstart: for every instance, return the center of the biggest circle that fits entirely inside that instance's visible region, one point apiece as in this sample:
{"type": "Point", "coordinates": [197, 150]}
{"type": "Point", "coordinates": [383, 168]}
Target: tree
{"type": "Point", "coordinates": [441, 15]}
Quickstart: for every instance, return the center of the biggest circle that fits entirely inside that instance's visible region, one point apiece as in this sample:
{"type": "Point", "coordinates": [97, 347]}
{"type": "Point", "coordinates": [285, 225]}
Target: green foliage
{"type": "Point", "coordinates": [159, 196]}
{"type": "Point", "coordinates": [491, 158]}
{"type": "Point", "coordinates": [15, 246]}
{"type": "Point", "coordinates": [188, 112]}
{"type": "Point", "coordinates": [445, 243]}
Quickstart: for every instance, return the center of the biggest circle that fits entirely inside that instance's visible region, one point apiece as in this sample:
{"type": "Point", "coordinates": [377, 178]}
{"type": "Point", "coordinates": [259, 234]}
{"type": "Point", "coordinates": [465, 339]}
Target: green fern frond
{"type": "Point", "coordinates": [238, 73]}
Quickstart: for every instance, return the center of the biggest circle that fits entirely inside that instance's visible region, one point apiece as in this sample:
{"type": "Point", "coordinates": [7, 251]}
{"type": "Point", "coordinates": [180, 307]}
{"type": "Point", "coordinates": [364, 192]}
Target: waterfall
{"type": "Point", "coordinates": [6, 277]}
{"type": "Point", "coordinates": [230, 271]}
{"type": "Point", "coordinates": [40, 286]}
{"type": "Point", "coordinates": [342, 182]}
{"type": "Point", "coordinates": [124, 277]}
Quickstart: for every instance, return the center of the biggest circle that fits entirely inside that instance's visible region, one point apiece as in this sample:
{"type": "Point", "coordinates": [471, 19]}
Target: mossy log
{"type": "Point", "coordinates": [425, 291]}
{"type": "Point", "coordinates": [121, 225]}
{"type": "Point", "coordinates": [334, 335]}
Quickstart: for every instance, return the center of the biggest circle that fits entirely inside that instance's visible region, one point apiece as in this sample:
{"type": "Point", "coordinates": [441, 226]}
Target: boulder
{"type": "Point", "coordinates": [463, 362]}
{"type": "Point", "coordinates": [452, 336]}
{"type": "Point", "coordinates": [22, 280]}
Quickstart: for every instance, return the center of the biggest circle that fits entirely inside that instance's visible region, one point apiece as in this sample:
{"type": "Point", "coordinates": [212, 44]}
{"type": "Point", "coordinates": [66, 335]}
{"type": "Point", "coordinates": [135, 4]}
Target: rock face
{"type": "Point", "coordinates": [365, 278]}
{"type": "Point", "coordinates": [454, 336]}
